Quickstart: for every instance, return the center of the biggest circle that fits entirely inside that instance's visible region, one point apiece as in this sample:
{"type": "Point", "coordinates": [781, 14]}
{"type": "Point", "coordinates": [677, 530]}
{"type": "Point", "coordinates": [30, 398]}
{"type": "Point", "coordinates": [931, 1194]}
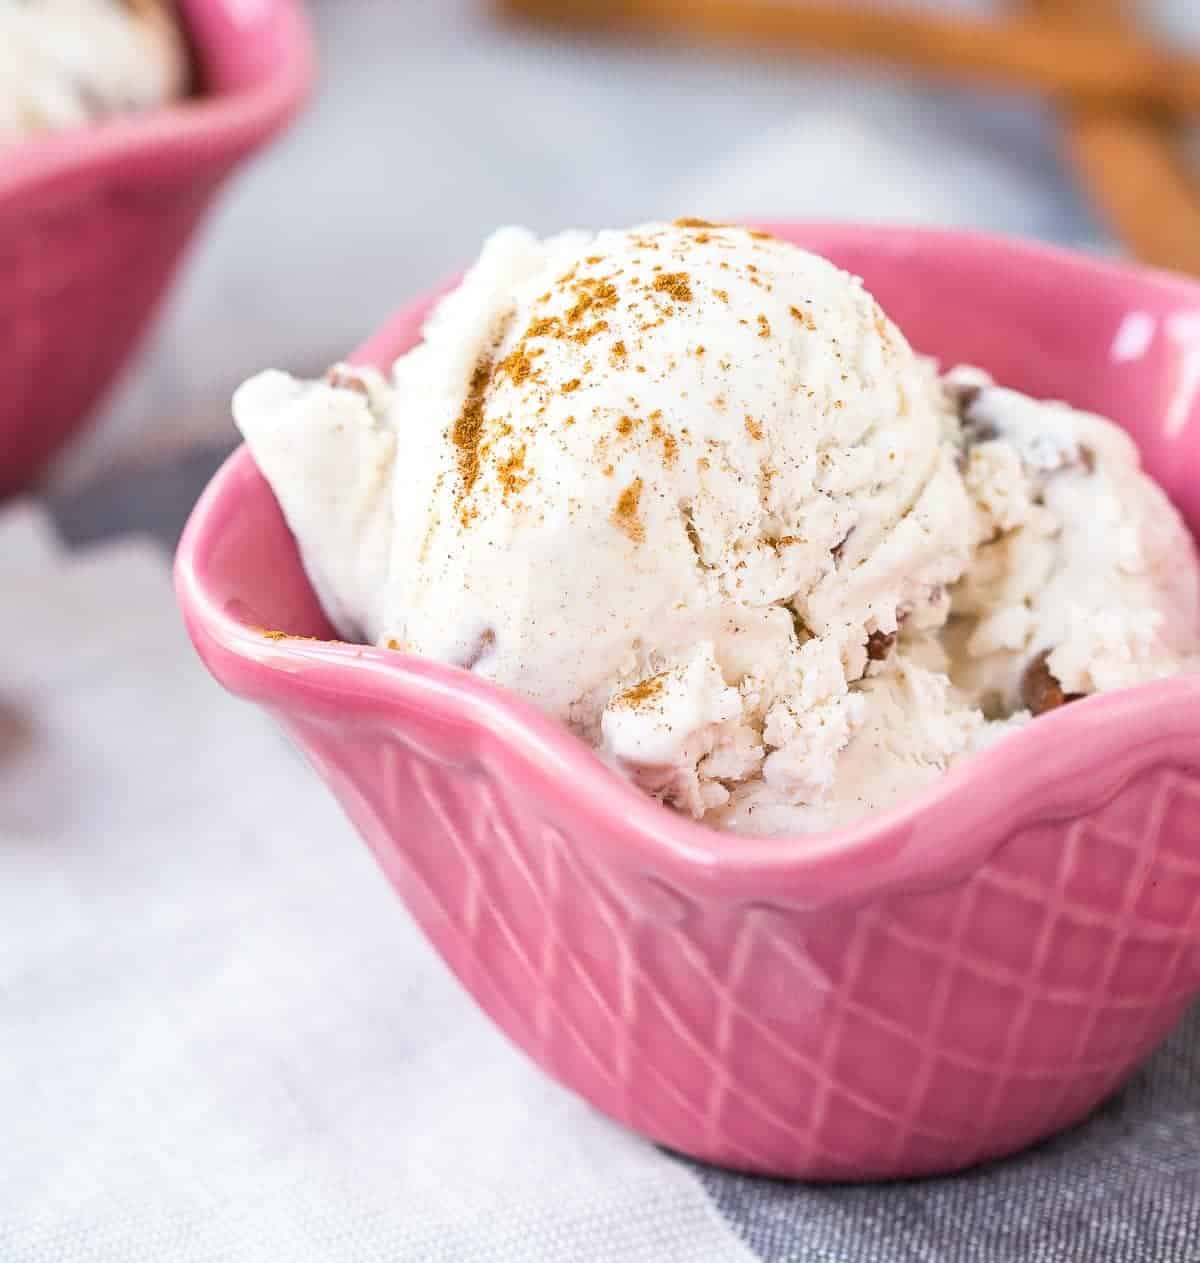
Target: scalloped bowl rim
{"type": "Point", "coordinates": [956, 815]}
{"type": "Point", "coordinates": [225, 119]}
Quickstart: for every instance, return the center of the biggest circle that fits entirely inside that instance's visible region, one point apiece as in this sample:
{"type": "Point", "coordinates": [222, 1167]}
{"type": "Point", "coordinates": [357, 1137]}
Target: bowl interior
{"type": "Point", "coordinates": [1121, 341]}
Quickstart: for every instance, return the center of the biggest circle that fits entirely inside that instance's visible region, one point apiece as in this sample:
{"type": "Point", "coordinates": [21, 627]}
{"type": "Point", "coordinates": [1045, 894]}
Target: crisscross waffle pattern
{"type": "Point", "coordinates": [917, 1033]}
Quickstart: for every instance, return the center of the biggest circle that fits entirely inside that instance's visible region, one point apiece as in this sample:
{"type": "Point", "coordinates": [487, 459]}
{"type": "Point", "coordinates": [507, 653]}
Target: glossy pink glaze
{"type": "Point", "coordinates": [94, 220]}
{"type": "Point", "coordinates": [942, 984]}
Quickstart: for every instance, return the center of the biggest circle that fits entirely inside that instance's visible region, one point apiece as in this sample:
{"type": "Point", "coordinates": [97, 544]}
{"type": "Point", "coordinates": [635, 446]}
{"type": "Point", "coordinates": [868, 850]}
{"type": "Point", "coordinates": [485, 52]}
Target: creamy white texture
{"type": "Point", "coordinates": [66, 62]}
{"type": "Point", "coordinates": [1087, 565]}
{"type": "Point", "coordinates": [686, 488]}
{"type": "Point", "coordinates": [706, 416]}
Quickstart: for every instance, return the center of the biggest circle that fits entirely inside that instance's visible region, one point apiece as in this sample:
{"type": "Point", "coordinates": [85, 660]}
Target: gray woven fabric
{"type": "Point", "coordinates": [1123, 1187]}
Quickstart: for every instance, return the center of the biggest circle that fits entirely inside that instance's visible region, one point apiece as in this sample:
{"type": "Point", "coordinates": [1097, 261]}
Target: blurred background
{"type": "Point", "coordinates": [434, 122]}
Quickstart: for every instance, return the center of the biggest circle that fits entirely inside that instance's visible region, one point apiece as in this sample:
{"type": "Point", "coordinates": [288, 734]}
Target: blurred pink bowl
{"type": "Point", "coordinates": [94, 220]}
{"type": "Point", "coordinates": [942, 984]}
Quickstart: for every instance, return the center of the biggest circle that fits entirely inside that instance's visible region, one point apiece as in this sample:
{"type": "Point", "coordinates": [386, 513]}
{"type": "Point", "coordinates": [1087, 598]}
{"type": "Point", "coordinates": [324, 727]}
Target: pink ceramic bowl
{"type": "Point", "coordinates": [939, 985]}
{"type": "Point", "coordinates": [94, 220]}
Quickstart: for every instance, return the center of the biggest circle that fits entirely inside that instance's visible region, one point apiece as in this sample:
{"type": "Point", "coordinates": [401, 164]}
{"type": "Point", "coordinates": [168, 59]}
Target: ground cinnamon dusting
{"type": "Point", "coordinates": [805, 319]}
{"type": "Point", "coordinates": [592, 295]}
{"type": "Point", "coordinates": [571, 386]}
{"type": "Point", "coordinates": [583, 336]}
{"type": "Point", "coordinates": [764, 326]}
{"type": "Point", "coordinates": [518, 364]}
{"type": "Point", "coordinates": [618, 354]}
{"type": "Point", "coordinates": [625, 515]}
{"type": "Point", "coordinates": [467, 431]}
{"type": "Point", "coordinates": [545, 327]}
{"type": "Point", "coordinates": [722, 294]}
{"type": "Point", "coordinates": [511, 472]}
{"type": "Point", "coordinates": [625, 426]}
{"type": "Point", "coordinates": [271, 634]}
{"type": "Point", "coordinates": [677, 284]}
{"type": "Point", "coordinates": [753, 429]}
{"type": "Point", "coordinates": [644, 691]}
{"type": "Point", "coordinates": [689, 221]}
{"type": "Point", "coordinates": [669, 443]}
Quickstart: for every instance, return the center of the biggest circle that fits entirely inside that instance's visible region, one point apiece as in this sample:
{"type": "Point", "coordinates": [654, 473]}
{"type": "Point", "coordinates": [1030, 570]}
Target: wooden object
{"type": "Point", "coordinates": [1060, 58]}
{"type": "Point", "coordinates": [1131, 164]}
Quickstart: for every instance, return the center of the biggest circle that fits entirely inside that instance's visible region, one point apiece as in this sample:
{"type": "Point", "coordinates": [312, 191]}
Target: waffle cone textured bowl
{"type": "Point", "coordinates": [939, 985]}
{"type": "Point", "coordinates": [94, 220]}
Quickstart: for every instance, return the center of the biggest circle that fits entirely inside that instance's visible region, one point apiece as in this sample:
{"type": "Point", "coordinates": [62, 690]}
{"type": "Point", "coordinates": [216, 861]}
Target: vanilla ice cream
{"type": "Point", "coordinates": [65, 62]}
{"type": "Point", "coordinates": [1087, 580]}
{"type": "Point", "coordinates": [688, 489]}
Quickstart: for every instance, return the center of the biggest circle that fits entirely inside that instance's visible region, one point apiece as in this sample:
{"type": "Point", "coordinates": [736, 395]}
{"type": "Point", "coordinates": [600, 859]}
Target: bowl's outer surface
{"type": "Point", "coordinates": [94, 220]}
{"type": "Point", "coordinates": [942, 984]}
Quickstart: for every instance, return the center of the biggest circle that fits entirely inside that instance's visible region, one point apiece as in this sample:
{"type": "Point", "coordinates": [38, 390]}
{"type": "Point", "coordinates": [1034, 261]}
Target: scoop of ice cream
{"type": "Point", "coordinates": [1089, 579]}
{"type": "Point", "coordinates": [677, 485]}
{"type": "Point", "coordinates": [910, 726]}
{"type": "Point", "coordinates": [65, 62]}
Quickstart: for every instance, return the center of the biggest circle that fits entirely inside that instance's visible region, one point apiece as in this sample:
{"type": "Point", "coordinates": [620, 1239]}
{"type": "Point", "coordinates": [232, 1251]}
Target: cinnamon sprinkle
{"type": "Point", "coordinates": [805, 319]}
{"type": "Point", "coordinates": [467, 431]}
{"type": "Point", "coordinates": [545, 327]}
{"type": "Point", "coordinates": [669, 442]}
{"type": "Point", "coordinates": [764, 326]}
{"type": "Point", "coordinates": [511, 472]}
{"type": "Point", "coordinates": [625, 515]}
{"type": "Point", "coordinates": [676, 284]}
{"type": "Point", "coordinates": [753, 429]}
{"type": "Point", "coordinates": [644, 691]}
{"type": "Point", "coordinates": [269, 633]}
{"type": "Point", "coordinates": [592, 295]}
{"type": "Point", "coordinates": [583, 336]}
{"type": "Point", "coordinates": [518, 364]}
